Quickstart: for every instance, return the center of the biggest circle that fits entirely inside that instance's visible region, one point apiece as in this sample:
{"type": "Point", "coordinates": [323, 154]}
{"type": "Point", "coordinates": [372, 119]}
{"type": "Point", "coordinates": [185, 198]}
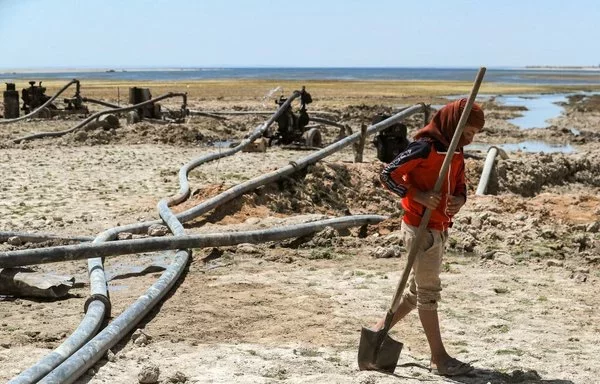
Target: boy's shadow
{"type": "Point", "coordinates": [488, 376]}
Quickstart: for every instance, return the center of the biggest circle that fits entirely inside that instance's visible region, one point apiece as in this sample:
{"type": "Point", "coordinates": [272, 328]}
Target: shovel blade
{"type": "Point", "coordinates": [378, 351]}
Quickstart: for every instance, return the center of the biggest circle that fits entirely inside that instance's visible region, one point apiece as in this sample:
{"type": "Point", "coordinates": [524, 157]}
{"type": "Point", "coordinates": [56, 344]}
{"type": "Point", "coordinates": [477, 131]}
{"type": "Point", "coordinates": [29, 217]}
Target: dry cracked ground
{"type": "Point", "coordinates": [521, 292]}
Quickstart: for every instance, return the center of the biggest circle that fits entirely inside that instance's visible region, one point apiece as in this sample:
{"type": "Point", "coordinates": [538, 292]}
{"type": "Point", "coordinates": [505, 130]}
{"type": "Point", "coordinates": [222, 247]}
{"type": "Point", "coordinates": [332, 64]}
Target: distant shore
{"type": "Point", "coordinates": [529, 76]}
{"type": "Point", "coordinates": [227, 93]}
{"type": "Point", "coordinates": [8, 71]}
{"type": "Point", "coordinates": [563, 68]}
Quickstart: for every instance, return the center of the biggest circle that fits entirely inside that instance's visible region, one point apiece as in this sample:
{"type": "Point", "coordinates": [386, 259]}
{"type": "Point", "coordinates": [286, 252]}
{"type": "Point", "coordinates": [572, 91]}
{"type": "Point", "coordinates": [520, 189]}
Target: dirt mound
{"type": "Point", "coordinates": [332, 188]}
{"type": "Point", "coordinates": [329, 188]}
{"type": "Point", "coordinates": [199, 130]}
{"type": "Point", "coordinates": [140, 133]}
{"type": "Point", "coordinates": [528, 176]}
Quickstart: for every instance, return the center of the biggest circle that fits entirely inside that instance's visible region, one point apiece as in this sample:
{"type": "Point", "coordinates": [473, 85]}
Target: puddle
{"type": "Point", "coordinates": [540, 108]}
{"type": "Point", "coordinates": [525, 146]}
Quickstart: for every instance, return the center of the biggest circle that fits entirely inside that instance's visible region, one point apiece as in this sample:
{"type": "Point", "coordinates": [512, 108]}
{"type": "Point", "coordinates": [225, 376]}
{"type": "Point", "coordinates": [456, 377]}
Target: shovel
{"type": "Point", "coordinates": [377, 350]}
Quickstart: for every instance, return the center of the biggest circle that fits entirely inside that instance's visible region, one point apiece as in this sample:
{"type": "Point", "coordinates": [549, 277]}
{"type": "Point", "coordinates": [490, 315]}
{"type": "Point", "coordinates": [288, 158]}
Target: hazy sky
{"type": "Point", "coordinates": [314, 33]}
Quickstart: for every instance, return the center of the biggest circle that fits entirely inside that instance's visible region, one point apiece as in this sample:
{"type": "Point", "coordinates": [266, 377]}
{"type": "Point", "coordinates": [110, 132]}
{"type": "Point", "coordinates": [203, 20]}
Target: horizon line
{"type": "Point", "coordinates": [47, 69]}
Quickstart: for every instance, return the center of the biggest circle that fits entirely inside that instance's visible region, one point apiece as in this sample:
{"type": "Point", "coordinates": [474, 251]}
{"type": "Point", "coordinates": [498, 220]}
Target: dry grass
{"type": "Point", "coordinates": [325, 93]}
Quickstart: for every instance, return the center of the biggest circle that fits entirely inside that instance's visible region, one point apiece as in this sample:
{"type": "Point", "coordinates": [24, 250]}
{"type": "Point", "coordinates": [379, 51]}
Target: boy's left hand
{"type": "Point", "coordinates": [455, 203]}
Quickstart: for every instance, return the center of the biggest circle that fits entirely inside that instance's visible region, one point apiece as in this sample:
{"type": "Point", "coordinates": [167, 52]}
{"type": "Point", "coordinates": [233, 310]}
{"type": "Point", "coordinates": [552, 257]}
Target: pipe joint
{"type": "Point", "coordinates": [105, 300]}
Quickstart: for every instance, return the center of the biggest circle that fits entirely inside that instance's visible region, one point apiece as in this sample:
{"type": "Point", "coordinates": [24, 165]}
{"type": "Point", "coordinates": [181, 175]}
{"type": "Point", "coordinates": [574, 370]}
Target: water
{"type": "Point", "coordinates": [540, 108]}
{"type": "Point", "coordinates": [531, 146]}
{"type": "Point", "coordinates": [493, 75]}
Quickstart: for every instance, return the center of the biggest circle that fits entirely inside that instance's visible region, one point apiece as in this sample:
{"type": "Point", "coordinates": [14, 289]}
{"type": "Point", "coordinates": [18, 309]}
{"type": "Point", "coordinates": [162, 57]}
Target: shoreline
{"type": "Point", "coordinates": [18, 70]}
{"type": "Point", "coordinates": [360, 91]}
{"type": "Point", "coordinates": [528, 77]}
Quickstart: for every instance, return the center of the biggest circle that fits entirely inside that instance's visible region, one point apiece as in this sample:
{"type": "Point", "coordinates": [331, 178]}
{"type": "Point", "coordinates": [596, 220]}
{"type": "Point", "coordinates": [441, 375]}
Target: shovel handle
{"type": "Point", "coordinates": [438, 186]}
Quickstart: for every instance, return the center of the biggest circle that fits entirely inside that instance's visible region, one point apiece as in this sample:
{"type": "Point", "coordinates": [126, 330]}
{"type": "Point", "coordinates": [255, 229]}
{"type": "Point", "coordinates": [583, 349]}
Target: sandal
{"type": "Point", "coordinates": [452, 367]}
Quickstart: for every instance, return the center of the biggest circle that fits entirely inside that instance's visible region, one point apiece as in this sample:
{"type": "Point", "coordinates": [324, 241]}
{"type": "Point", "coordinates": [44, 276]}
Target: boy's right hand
{"type": "Point", "coordinates": [429, 199]}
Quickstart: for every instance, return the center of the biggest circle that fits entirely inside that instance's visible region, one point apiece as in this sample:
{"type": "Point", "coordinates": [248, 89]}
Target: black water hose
{"type": "Point", "coordinates": [142, 227]}
{"type": "Point", "coordinates": [328, 122]}
{"type": "Point", "coordinates": [39, 109]}
{"type": "Point", "coordinates": [97, 304]}
{"type": "Point", "coordinates": [99, 102]}
{"type": "Point", "coordinates": [84, 358]}
{"type": "Point", "coordinates": [95, 348]}
{"type": "Point", "coordinates": [97, 115]}
{"type": "Point", "coordinates": [11, 259]}
{"type": "Point", "coordinates": [92, 321]}
{"type": "Point", "coordinates": [241, 113]}
{"type": "Point", "coordinates": [226, 196]}
{"type": "Point", "coordinates": [28, 237]}
{"type": "Point", "coordinates": [294, 166]}
{"type": "Point", "coordinates": [207, 114]}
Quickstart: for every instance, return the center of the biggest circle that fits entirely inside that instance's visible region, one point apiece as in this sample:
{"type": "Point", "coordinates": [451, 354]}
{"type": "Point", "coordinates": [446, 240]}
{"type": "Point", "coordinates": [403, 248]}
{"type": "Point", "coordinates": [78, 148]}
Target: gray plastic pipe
{"type": "Point", "coordinates": [36, 111]}
{"type": "Point", "coordinates": [98, 304]}
{"type": "Point", "coordinates": [207, 114]}
{"type": "Point", "coordinates": [328, 122]}
{"type": "Point", "coordinates": [99, 102]}
{"type": "Point", "coordinates": [233, 113]}
{"type": "Point", "coordinates": [92, 321]}
{"type": "Point", "coordinates": [490, 159]}
{"type": "Point", "coordinates": [28, 237]}
{"type": "Point", "coordinates": [87, 356]}
{"type": "Point", "coordinates": [93, 350]}
{"type": "Point", "coordinates": [252, 184]}
{"type": "Point", "coordinates": [10, 259]}
{"type": "Point", "coordinates": [97, 115]}
{"type": "Point", "coordinates": [232, 193]}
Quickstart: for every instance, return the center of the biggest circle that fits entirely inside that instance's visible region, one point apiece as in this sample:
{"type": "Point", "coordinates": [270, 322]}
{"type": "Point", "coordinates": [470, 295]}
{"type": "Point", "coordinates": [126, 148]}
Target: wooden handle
{"type": "Point", "coordinates": [438, 186]}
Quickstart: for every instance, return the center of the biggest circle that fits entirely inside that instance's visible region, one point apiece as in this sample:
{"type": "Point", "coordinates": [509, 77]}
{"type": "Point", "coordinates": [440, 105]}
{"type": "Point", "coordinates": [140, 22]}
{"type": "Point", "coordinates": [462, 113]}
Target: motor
{"type": "Point", "coordinates": [292, 128]}
{"type": "Point", "coordinates": [33, 97]}
{"type": "Point", "coordinates": [391, 141]}
{"type": "Point", "coordinates": [11, 102]}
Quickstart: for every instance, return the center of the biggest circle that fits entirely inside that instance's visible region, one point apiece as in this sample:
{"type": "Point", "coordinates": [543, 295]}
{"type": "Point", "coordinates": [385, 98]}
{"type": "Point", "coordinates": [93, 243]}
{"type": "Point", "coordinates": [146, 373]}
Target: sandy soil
{"type": "Point", "coordinates": [521, 276]}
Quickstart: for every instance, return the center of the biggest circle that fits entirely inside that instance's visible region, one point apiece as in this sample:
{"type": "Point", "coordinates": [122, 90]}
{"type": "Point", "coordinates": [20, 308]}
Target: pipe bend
{"type": "Point", "coordinates": [105, 300]}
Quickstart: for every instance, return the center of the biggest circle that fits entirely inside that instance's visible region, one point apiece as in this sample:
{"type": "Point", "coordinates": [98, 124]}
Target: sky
{"type": "Point", "coordinates": [307, 33]}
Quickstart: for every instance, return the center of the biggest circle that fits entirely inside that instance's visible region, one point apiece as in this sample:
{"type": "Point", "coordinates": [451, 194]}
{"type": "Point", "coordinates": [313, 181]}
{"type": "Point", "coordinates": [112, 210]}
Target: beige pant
{"type": "Point", "coordinates": [424, 285]}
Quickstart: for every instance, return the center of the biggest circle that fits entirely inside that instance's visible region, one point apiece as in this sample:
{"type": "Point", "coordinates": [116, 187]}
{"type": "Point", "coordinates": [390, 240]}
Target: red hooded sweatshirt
{"type": "Point", "coordinates": [418, 167]}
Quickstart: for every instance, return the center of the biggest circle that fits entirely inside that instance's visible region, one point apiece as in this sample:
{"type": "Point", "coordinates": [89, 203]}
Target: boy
{"type": "Point", "coordinates": [412, 176]}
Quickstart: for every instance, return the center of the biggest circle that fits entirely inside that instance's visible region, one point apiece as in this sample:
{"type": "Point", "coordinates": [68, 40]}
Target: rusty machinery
{"type": "Point", "coordinates": [34, 97]}
{"type": "Point", "coordinates": [391, 141]}
{"type": "Point", "coordinates": [152, 110]}
{"type": "Point", "coordinates": [11, 102]}
{"type": "Point", "coordinates": [292, 128]}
